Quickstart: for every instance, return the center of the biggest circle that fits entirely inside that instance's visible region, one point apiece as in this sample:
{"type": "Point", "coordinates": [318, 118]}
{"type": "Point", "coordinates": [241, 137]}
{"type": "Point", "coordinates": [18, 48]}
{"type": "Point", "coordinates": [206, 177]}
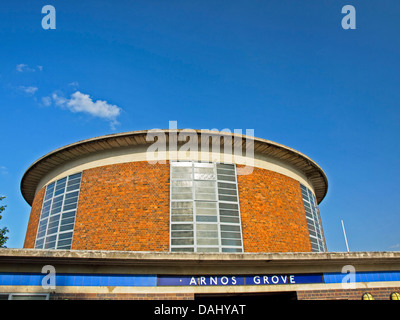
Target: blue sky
{"type": "Point", "coordinates": [286, 69]}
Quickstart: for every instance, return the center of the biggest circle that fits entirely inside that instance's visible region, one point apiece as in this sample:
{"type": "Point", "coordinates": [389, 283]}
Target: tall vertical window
{"type": "Point", "coordinates": [205, 215]}
{"type": "Point", "coordinates": [57, 218]}
{"type": "Point", "coordinates": [313, 220]}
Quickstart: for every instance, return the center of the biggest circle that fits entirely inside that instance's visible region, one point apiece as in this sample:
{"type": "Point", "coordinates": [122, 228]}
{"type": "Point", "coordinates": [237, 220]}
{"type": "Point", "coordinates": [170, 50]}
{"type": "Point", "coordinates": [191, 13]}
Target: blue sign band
{"type": "Point", "coordinates": [222, 280]}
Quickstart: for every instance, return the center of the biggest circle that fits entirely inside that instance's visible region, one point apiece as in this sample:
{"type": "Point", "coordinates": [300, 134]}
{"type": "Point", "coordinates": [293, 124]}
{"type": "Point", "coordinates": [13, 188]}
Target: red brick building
{"type": "Point", "coordinates": [124, 200]}
{"type": "Point", "coordinates": [192, 213]}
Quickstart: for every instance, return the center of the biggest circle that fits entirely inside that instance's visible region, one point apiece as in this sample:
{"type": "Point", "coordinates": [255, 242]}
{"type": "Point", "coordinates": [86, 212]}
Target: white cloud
{"type": "Point", "coordinates": [20, 67]}
{"type": "Point", "coordinates": [80, 102]}
{"type": "Point", "coordinates": [28, 90]}
{"type": "Point", "coordinates": [25, 68]}
{"type": "Point", "coordinates": [396, 246]}
{"type": "Point", "coordinates": [3, 170]}
{"type": "Point", "coordinates": [46, 101]}
{"type": "Point", "coordinates": [74, 84]}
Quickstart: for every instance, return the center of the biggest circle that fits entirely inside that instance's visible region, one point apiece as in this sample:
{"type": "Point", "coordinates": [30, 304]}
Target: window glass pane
{"type": "Point", "coordinates": [229, 219]}
{"type": "Point", "coordinates": [66, 235]}
{"type": "Point", "coordinates": [181, 189]}
{"type": "Point", "coordinates": [231, 242]}
{"type": "Point", "coordinates": [227, 185]}
{"type": "Point", "coordinates": [227, 198]}
{"type": "Point", "coordinates": [66, 227]}
{"type": "Point", "coordinates": [207, 227]}
{"type": "Point", "coordinates": [71, 201]}
{"type": "Point", "coordinates": [181, 183]}
{"type": "Point", "coordinates": [207, 242]}
{"type": "Point", "coordinates": [207, 234]}
{"type": "Point", "coordinates": [68, 214]}
{"type": "Point", "coordinates": [177, 249]}
{"type": "Point", "coordinates": [206, 196]}
{"type": "Point", "coordinates": [210, 205]}
{"type": "Point", "coordinates": [228, 227]}
{"type": "Point", "coordinates": [182, 170]}
{"type": "Point", "coordinates": [204, 176]}
{"type": "Point", "coordinates": [231, 192]}
{"type": "Point", "coordinates": [205, 249]}
{"type": "Point", "coordinates": [181, 164]}
{"type": "Point", "coordinates": [223, 177]}
{"type": "Point", "coordinates": [230, 235]}
{"type": "Point", "coordinates": [204, 170]}
{"type": "Point", "coordinates": [206, 211]}
{"type": "Point", "coordinates": [182, 241]}
{"type": "Point", "coordinates": [206, 218]}
{"type": "Point", "coordinates": [204, 184]}
{"type": "Point", "coordinates": [57, 200]}
{"type": "Point", "coordinates": [181, 211]}
{"type": "Point", "coordinates": [181, 176]}
{"type": "Point", "coordinates": [182, 196]}
{"type": "Point", "coordinates": [182, 227]}
{"type": "Point", "coordinates": [228, 206]}
{"type": "Point", "coordinates": [73, 187]}
{"type": "Point", "coordinates": [229, 213]}
{"type": "Point", "coordinates": [41, 234]}
{"type": "Point", "coordinates": [72, 195]}
{"type": "Point", "coordinates": [227, 249]}
{"type": "Point", "coordinates": [204, 204]}
{"type": "Point", "coordinates": [72, 182]}
{"type": "Point", "coordinates": [182, 234]}
{"type": "Point", "coordinates": [64, 243]}
{"type": "Point", "coordinates": [226, 172]}
{"type": "Point", "coordinates": [204, 190]}
{"type": "Point", "coordinates": [75, 176]}
{"type": "Point", "coordinates": [225, 166]}
{"type": "Point", "coordinates": [181, 218]}
{"type": "Point", "coordinates": [67, 221]}
{"type": "Point", "coordinates": [312, 218]}
{"type": "Point", "coordinates": [70, 207]}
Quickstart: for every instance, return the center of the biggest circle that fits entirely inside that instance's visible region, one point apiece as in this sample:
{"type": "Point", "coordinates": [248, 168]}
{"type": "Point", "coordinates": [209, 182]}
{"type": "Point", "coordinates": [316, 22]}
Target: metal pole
{"type": "Point", "coordinates": [345, 238]}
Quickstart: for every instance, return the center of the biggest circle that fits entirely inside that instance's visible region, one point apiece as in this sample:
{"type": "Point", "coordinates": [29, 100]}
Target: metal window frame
{"type": "Point", "coordinates": [219, 247]}
{"type": "Point", "coordinates": [60, 214]}
{"type": "Point", "coordinates": [316, 223]}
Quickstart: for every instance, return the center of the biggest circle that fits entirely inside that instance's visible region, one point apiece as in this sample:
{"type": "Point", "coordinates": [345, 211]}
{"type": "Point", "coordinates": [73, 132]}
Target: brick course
{"type": "Point", "coordinates": [123, 207]}
{"type": "Point", "coordinates": [272, 213]}
{"type": "Point", "coordinates": [33, 223]}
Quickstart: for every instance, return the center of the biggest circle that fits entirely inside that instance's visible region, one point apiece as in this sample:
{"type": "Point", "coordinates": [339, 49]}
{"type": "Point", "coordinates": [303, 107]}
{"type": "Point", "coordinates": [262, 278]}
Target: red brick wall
{"type": "Point", "coordinates": [272, 213]}
{"type": "Point", "coordinates": [123, 207]}
{"type": "Point", "coordinates": [33, 223]}
{"type": "Point", "coordinates": [346, 294]}
{"type": "Point", "coordinates": [126, 207]}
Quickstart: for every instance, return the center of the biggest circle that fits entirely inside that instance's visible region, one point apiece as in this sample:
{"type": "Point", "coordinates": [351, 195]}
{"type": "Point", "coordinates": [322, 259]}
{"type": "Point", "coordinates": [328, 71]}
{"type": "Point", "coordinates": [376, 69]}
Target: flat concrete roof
{"type": "Point", "coordinates": [52, 160]}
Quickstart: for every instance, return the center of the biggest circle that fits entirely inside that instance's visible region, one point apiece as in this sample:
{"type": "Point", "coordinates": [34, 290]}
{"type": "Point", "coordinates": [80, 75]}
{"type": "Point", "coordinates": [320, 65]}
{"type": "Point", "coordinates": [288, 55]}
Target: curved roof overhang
{"type": "Point", "coordinates": [53, 159]}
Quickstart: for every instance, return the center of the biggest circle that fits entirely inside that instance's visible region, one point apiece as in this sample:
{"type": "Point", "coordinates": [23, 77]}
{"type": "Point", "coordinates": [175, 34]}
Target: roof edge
{"type": "Point", "coordinates": [51, 160]}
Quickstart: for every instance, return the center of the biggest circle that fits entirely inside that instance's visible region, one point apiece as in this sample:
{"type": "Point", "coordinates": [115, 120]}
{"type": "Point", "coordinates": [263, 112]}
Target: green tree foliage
{"type": "Point", "coordinates": [3, 231]}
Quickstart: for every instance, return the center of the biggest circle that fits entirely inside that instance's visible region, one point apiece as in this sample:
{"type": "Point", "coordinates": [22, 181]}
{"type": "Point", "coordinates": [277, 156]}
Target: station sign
{"type": "Point", "coordinates": [239, 280]}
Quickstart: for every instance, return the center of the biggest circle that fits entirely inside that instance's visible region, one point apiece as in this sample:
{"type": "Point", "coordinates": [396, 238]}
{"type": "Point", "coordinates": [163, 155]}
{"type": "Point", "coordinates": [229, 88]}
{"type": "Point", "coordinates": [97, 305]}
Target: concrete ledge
{"type": "Point", "coordinates": [189, 259]}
